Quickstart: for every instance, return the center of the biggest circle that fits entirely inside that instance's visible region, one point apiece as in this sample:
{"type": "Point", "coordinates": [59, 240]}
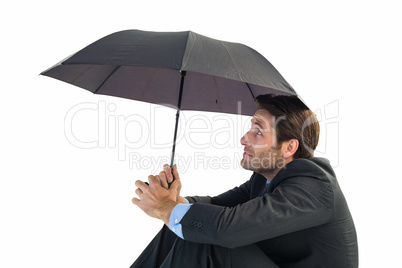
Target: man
{"type": "Point", "coordinates": [291, 213]}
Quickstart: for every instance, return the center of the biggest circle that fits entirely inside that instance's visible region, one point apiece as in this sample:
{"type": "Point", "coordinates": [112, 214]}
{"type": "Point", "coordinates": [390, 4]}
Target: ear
{"type": "Point", "coordinates": [289, 148]}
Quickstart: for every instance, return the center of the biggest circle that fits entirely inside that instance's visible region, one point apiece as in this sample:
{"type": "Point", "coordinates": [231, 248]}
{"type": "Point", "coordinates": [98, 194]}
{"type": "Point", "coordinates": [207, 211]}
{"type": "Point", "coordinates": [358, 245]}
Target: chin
{"type": "Point", "coordinates": [246, 165]}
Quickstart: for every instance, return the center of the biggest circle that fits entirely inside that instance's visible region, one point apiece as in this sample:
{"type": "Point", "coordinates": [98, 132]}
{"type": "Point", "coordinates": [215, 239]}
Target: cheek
{"type": "Point", "coordinates": [259, 152]}
{"type": "Point", "coordinates": [261, 145]}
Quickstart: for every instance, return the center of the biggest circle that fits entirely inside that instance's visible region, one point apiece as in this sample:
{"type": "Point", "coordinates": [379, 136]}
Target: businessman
{"type": "Point", "coordinates": [290, 213]}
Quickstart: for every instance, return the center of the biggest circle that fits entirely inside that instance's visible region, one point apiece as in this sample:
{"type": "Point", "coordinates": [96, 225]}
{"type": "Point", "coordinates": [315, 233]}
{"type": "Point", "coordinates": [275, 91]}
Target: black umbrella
{"type": "Point", "coordinates": [183, 70]}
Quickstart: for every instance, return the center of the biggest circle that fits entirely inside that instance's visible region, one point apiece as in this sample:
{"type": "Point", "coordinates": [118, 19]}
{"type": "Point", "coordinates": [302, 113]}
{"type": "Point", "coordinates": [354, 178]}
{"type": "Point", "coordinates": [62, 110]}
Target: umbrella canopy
{"type": "Point", "coordinates": [143, 65]}
{"type": "Point", "coordinates": [183, 70]}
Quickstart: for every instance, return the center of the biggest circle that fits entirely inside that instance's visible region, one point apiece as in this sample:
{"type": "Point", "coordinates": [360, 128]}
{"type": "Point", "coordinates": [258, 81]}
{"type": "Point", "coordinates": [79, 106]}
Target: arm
{"type": "Point", "coordinates": [294, 205]}
{"type": "Point", "coordinates": [235, 196]}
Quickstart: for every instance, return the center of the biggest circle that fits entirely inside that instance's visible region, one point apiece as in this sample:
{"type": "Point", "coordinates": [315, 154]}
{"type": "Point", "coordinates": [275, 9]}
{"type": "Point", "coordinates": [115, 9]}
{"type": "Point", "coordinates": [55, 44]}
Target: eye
{"type": "Point", "coordinates": [258, 132]}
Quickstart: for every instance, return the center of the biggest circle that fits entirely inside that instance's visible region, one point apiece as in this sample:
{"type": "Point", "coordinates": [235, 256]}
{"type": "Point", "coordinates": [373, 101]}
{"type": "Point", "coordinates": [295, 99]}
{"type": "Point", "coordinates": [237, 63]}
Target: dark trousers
{"type": "Point", "coordinates": [168, 250]}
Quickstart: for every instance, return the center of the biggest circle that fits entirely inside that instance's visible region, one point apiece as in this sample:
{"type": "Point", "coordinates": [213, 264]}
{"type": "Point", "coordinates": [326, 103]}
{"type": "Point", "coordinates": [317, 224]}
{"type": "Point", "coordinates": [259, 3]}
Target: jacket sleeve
{"type": "Point", "coordinates": [294, 205]}
{"type": "Point", "coordinates": [231, 198]}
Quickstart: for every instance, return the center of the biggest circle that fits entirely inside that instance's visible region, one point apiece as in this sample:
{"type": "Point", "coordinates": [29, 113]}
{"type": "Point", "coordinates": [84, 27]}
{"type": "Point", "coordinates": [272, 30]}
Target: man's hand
{"type": "Point", "coordinates": [155, 199]}
{"type": "Point", "coordinates": [167, 177]}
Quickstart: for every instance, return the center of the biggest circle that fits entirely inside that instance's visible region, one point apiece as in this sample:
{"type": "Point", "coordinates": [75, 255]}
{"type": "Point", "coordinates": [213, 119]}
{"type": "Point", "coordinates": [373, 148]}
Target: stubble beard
{"type": "Point", "coordinates": [266, 162]}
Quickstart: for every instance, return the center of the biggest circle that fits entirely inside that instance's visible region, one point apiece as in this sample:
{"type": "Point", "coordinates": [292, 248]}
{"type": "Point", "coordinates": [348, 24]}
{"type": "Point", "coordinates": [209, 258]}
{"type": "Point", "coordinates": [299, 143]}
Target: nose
{"type": "Point", "coordinates": [245, 141]}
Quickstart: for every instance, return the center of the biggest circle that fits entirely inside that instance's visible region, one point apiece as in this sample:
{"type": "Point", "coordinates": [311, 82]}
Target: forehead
{"type": "Point", "coordinates": [262, 118]}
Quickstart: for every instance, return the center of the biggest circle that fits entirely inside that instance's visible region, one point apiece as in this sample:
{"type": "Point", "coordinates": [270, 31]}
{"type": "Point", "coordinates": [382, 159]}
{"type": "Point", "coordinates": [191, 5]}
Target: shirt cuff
{"type": "Point", "coordinates": [177, 214]}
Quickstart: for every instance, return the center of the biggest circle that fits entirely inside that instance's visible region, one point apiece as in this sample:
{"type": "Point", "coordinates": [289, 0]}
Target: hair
{"type": "Point", "coordinates": [293, 120]}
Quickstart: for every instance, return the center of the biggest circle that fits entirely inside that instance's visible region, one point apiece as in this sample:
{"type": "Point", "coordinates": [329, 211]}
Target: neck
{"type": "Point", "coordinates": [270, 174]}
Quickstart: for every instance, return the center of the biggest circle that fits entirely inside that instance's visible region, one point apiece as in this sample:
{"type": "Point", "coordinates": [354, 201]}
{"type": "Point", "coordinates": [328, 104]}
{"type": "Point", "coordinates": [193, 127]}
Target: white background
{"type": "Point", "coordinates": [64, 206]}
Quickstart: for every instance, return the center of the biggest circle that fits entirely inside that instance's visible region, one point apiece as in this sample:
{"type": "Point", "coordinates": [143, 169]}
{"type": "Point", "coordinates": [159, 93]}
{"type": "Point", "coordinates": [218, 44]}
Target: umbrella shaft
{"type": "Point", "coordinates": [182, 75]}
{"type": "Point", "coordinates": [174, 138]}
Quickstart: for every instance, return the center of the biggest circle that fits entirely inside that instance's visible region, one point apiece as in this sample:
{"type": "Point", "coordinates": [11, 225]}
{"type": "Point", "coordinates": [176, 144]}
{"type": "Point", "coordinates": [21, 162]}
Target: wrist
{"type": "Point", "coordinates": [181, 200]}
{"type": "Point", "coordinates": [165, 217]}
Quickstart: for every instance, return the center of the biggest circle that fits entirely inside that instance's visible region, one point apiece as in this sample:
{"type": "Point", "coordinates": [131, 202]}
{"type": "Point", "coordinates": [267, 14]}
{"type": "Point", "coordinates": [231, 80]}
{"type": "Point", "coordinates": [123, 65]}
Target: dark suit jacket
{"type": "Point", "coordinates": [302, 220]}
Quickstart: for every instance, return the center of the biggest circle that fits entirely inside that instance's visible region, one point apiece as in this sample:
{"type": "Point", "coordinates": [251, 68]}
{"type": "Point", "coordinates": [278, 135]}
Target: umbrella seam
{"type": "Point", "coordinates": [186, 47]}
{"type": "Point", "coordinates": [234, 64]}
{"type": "Point", "coordinates": [147, 84]}
{"type": "Point", "coordinates": [104, 81]}
{"type": "Point", "coordinates": [81, 74]}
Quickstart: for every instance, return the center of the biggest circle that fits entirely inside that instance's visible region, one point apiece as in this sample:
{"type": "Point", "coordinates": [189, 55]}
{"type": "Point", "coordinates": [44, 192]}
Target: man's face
{"type": "Point", "coordinates": [260, 146]}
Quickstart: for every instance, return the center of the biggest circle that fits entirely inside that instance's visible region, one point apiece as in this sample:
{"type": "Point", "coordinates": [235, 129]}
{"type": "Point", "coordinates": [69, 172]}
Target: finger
{"type": "Point", "coordinates": [168, 172]}
{"type": "Point", "coordinates": [153, 180]}
{"type": "Point", "coordinates": [140, 184]}
{"type": "Point", "coordinates": [135, 201]}
{"type": "Point", "coordinates": [138, 192]}
{"type": "Point", "coordinates": [164, 182]}
{"type": "Point", "coordinates": [158, 179]}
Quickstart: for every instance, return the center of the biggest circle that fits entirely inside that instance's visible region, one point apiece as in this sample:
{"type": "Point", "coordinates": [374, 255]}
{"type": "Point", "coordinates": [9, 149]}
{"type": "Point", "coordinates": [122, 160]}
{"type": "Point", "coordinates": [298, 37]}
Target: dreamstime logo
{"type": "Point", "coordinates": [98, 125]}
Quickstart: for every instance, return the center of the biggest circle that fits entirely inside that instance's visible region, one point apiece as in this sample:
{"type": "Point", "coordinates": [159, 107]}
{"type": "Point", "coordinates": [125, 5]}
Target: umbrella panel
{"type": "Point", "coordinates": [87, 76]}
{"type": "Point", "coordinates": [201, 92]}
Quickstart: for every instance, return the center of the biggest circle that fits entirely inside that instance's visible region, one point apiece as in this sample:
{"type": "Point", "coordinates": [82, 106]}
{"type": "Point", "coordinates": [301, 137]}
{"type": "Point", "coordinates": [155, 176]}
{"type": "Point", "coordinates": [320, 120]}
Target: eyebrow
{"type": "Point", "coordinates": [257, 122]}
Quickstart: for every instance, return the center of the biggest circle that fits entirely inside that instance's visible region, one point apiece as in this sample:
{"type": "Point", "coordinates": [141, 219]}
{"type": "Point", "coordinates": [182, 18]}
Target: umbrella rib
{"type": "Point", "coordinates": [104, 81]}
{"type": "Point", "coordinates": [252, 94]}
{"type": "Point", "coordinates": [233, 61]}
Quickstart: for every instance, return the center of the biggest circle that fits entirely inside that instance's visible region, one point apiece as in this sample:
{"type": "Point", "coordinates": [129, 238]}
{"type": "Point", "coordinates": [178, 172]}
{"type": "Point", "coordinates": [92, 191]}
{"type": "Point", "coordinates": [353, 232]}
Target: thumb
{"type": "Point", "coordinates": [175, 172]}
{"type": "Point", "coordinates": [176, 184]}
